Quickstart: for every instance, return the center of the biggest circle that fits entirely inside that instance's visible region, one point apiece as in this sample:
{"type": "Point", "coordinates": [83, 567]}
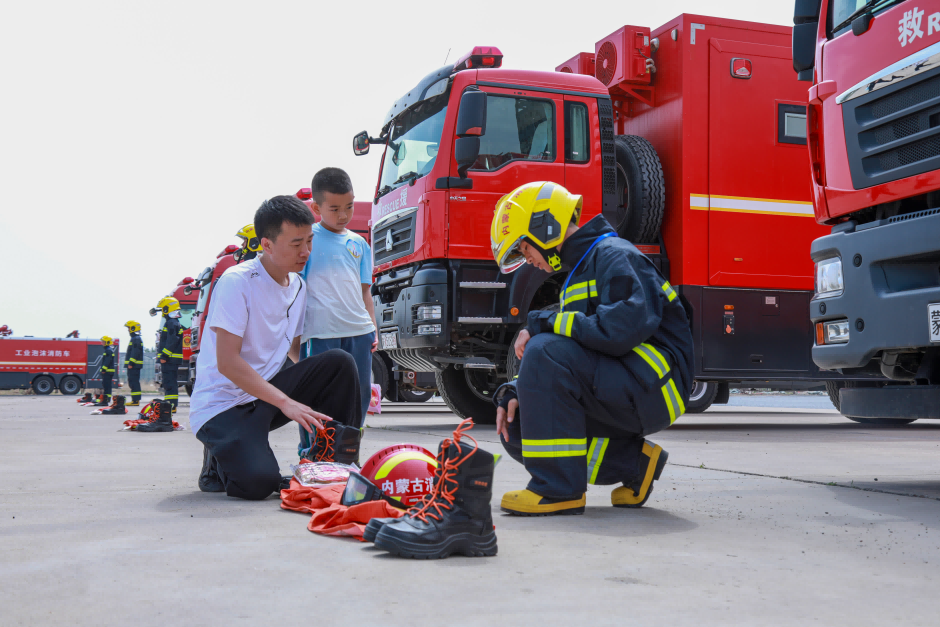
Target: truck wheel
{"type": "Point", "coordinates": [465, 393]}
{"type": "Point", "coordinates": [833, 387]}
{"type": "Point", "coordinates": [380, 374]}
{"type": "Point", "coordinates": [414, 396]}
{"type": "Point", "coordinates": [189, 388]}
{"type": "Point", "coordinates": [70, 385]}
{"type": "Point", "coordinates": [702, 396]}
{"type": "Point", "coordinates": [43, 385]}
{"type": "Point", "coordinates": [641, 190]}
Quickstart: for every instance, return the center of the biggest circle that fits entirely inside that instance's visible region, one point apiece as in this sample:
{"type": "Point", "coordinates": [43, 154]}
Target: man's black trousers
{"type": "Point", "coordinates": [106, 384]}
{"type": "Point", "coordinates": [238, 437]}
{"type": "Point", "coordinates": [133, 380]}
{"type": "Point", "coordinates": [171, 389]}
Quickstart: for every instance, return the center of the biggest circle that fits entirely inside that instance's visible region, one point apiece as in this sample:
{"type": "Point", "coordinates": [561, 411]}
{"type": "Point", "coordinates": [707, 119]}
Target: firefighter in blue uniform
{"type": "Point", "coordinates": [134, 361]}
{"type": "Point", "coordinates": [107, 369]}
{"type": "Point", "coordinates": [612, 366]}
{"type": "Point", "coordinates": [170, 348]}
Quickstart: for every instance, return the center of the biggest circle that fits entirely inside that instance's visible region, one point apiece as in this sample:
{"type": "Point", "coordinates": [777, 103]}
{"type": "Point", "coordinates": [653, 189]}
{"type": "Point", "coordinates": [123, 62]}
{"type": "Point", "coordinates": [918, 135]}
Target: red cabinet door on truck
{"type": "Point", "coordinates": [523, 143]}
{"type": "Point", "coordinates": [761, 220]}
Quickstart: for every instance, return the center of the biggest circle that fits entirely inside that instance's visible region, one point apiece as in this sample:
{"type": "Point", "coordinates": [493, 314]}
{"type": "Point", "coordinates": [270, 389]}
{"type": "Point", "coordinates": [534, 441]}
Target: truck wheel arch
{"type": "Point", "coordinates": [529, 286]}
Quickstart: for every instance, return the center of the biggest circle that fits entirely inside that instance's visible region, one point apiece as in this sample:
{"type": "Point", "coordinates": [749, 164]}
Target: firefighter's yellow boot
{"type": "Point", "coordinates": [527, 503]}
{"type": "Point", "coordinates": [637, 495]}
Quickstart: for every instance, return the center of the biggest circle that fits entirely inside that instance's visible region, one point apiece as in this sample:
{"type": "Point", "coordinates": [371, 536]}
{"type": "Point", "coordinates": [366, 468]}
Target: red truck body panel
{"type": "Point", "coordinates": [22, 359]}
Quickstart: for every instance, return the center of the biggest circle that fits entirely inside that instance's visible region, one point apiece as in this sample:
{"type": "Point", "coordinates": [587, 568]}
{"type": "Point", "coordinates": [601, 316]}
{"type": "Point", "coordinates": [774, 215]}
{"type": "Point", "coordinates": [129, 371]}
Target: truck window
{"type": "Point", "coordinates": [186, 315]}
{"type": "Point", "coordinates": [840, 10]}
{"type": "Point", "coordinates": [413, 142]}
{"type": "Point", "coordinates": [577, 133]}
{"type": "Point", "coordinates": [791, 124]}
{"type": "Point", "coordinates": [516, 129]}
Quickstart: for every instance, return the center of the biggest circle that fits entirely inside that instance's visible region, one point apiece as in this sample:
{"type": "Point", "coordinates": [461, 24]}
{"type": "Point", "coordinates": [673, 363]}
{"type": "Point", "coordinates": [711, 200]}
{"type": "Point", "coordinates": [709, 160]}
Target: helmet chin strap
{"type": "Point", "coordinates": [552, 255]}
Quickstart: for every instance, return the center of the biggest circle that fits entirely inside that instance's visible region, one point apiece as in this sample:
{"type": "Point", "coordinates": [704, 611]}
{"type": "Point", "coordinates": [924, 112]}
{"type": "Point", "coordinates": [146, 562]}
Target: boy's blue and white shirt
{"type": "Point", "coordinates": [337, 268]}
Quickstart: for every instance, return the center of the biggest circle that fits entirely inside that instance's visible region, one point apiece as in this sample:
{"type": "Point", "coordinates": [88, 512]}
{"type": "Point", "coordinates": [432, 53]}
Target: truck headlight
{"type": "Point", "coordinates": [429, 312]}
{"type": "Point", "coordinates": [829, 277]}
{"type": "Point", "coordinates": [429, 329]}
{"type": "Point", "coordinates": [837, 332]}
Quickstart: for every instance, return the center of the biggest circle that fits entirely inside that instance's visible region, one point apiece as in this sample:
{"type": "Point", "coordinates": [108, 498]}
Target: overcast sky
{"type": "Point", "coordinates": [136, 138]}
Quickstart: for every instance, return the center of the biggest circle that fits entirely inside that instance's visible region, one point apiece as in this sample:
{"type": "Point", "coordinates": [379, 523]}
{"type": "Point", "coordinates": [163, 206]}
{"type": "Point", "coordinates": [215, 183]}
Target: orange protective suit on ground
{"type": "Point", "coordinates": [329, 516]}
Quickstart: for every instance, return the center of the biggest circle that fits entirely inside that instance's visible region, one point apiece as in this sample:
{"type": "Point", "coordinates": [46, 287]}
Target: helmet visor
{"type": "Point", "coordinates": [361, 490]}
{"type": "Point", "coordinates": [512, 258]}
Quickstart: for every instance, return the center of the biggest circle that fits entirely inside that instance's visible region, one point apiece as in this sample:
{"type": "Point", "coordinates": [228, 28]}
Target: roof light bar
{"type": "Point", "coordinates": [480, 57]}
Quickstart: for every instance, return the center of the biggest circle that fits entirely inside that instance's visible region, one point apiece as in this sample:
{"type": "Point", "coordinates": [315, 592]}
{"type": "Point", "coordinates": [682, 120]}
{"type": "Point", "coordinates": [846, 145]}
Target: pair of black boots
{"type": "Point", "coordinates": [163, 422]}
{"type": "Point", "coordinates": [336, 442]}
{"type": "Point", "coordinates": [456, 516]}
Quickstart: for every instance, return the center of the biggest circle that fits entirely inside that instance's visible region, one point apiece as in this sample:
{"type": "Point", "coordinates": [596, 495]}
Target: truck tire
{"type": "Point", "coordinates": [43, 385]}
{"type": "Point", "coordinates": [641, 191]}
{"type": "Point", "coordinates": [702, 396]}
{"type": "Point", "coordinates": [454, 387]}
{"type": "Point", "coordinates": [189, 388]}
{"type": "Point", "coordinates": [380, 374]}
{"type": "Point", "coordinates": [69, 386]}
{"type": "Point", "coordinates": [833, 387]}
{"type": "Point", "coordinates": [414, 396]}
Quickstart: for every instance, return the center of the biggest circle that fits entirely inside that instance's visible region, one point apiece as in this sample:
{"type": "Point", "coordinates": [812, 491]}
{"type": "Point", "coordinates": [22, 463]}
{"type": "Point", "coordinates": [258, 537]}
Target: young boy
{"type": "Point", "coordinates": [340, 313]}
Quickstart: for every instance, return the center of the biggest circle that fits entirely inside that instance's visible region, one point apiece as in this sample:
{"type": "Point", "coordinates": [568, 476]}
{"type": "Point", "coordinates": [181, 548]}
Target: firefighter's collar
{"type": "Point", "coordinates": [581, 240]}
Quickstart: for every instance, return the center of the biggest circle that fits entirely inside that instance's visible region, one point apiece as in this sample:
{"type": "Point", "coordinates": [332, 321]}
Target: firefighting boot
{"type": "Point", "coordinates": [163, 423]}
{"type": "Point", "coordinates": [102, 401]}
{"type": "Point", "coordinates": [528, 503]}
{"type": "Point", "coordinates": [456, 518]}
{"type": "Point", "coordinates": [336, 442]}
{"type": "Point", "coordinates": [85, 399]}
{"type": "Point", "coordinates": [116, 407]}
{"type": "Point", "coordinates": [135, 400]}
{"type": "Point", "coordinates": [637, 493]}
{"type": "Point", "coordinates": [209, 478]}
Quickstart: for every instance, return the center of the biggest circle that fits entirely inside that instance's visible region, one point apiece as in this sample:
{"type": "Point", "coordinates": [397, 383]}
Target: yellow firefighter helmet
{"type": "Point", "coordinates": [538, 213]}
{"type": "Point", "coordinates": [132, 326]}
{"type": "Point", "coordinates": [168, 304]}
{"type": "Point", "coordinates": [251, 243]}
{"type": "Point", "coordinates": [106, 340]}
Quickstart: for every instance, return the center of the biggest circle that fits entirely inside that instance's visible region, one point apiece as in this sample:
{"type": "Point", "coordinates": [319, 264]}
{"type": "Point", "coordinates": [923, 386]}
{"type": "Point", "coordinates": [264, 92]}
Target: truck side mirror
{"type": "Point", "coordinates": [361, 144]}
{"type": "Point", "coordinates": [471, 118]}
{"type": "Point", "coordinates": [805, 26]}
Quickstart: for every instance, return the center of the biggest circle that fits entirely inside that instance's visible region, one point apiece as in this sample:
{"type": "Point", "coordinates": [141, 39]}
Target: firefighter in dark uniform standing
{"type": "Point", "coordinates": [107, 369]}
{"type": "Point", "coordinates": [611, 367]}
{"type": "Point", "coordinates": [170, 348]}
{"type": "Point", "coordinates": [134, 361]}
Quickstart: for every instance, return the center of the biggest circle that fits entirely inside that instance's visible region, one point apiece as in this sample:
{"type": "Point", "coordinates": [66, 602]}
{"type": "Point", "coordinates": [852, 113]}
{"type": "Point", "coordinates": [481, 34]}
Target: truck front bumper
{"type": "Point", "coordinates": [891, 275]}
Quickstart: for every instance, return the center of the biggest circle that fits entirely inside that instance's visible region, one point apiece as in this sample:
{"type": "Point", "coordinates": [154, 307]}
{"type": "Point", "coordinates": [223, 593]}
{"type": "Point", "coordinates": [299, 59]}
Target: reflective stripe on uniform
{"type": "Point", "coordinates": [554, 448]}
{"type": "Point", "coordinates": [176, 355]}
{"type": "Point", "coordinates": [595, 457]}
{"type": "Point", "coordinates": [673, 401]}
{"type": "Point", "coordinates": [564, 323]}
{"type": "Point", "coordinates": [579, 291]}
{"type": "Point", "coordinates": [168, 397]}
{"type": "Point", "coordinates": [654, 358]}
{"type": "Point", "coordinates": [670, 293]}
{"type": "Point", "coordinates": [135, 361]}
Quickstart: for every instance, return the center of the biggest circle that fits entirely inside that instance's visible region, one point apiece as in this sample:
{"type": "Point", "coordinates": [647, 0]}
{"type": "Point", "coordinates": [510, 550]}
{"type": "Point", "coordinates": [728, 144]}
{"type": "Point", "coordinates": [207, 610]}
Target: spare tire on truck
{"type": "Point", "coordinates": [641, 191]}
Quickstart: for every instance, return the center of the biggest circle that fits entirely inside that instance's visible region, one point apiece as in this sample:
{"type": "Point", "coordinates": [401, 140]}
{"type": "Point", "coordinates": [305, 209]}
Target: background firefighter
{"type": "Point", "coordinates": [170, 348]}
{"type": "Point", "coordinates": [134, 361]}
{"type": "Point", "coordinates": [612, 366]}
{"type": "Point", "coordinates": [107, 370]}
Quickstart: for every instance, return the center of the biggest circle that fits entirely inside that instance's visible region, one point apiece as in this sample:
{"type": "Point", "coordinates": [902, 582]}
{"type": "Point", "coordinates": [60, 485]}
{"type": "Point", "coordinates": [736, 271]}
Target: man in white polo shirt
{"type": "Point", "coordinates": [242, 389]}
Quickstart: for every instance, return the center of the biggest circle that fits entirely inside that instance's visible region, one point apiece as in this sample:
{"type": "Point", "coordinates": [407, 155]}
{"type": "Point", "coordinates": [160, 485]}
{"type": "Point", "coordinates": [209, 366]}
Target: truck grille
{"type": "Point", "coordinates": [893, 133]}
{"type": "Point", "coordinates": [393, 239]}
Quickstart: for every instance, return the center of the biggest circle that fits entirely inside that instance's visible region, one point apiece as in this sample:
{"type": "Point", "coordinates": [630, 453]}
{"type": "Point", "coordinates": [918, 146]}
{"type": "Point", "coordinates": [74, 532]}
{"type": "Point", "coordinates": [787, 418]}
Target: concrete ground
{"type": "Point", "coordinates": [765, 516]}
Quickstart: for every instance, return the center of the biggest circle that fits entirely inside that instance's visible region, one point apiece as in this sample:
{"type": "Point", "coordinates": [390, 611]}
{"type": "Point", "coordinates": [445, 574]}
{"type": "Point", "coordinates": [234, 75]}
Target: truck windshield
{"type": "Point", "coordinates": [186, 315]}
{"type": "Point", "coordinates": [841, 10]}
{"type": "Point", "coordinates": [204, 280]}
{"type": "Point", "coordinates": [413, 142]}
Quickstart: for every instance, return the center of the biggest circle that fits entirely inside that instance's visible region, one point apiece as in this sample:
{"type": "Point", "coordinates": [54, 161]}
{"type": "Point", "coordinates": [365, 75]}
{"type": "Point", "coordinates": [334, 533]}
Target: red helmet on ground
{"type": "Point", "coordinates": [402, 471]}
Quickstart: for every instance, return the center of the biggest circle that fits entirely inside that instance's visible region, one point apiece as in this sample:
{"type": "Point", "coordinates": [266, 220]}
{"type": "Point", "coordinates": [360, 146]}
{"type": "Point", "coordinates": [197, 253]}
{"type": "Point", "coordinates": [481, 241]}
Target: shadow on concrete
{"type": "Point", "coordinates": [212, 505]}
{"type": "Point", "coordinates": [612, 522]}
{"type": "Point", "coordinates": [832, 432]}
{"type": "Point", "coordinates": [894, 507]}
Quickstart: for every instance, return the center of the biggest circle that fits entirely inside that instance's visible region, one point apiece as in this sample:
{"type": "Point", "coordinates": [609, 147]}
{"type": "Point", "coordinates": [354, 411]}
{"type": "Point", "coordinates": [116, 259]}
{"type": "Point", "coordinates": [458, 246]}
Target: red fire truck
{"type": "Point", "coordinates": [204, 284]}
{"type": "Point", "coordinates": [874, 148]}
{"type": "Point", "coordinates": [690, 139]}
{"type": "Point", "coordinates": [182, 293]}
{"type": "Point", "coordinates": [49, 363]}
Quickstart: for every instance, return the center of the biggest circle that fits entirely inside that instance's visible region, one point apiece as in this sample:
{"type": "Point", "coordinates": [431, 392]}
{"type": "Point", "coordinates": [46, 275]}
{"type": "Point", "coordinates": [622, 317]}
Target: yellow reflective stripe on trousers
{"type": "Point", "coordinates": [166, 351]}
{"type": "Point", "coordinates": [168, 397]}
{"type": "Point", "coordinates": [579, 291]}
{"type": "Point", "coordinates": [563, 324]}
{"type": "Point", "coordinates": [670, 293]}
{"type": "Point", "coordinates": [595, 457]}
{"type": "Point", "coordinates": [572, 447]}
{"type": "Point", "coordinates": [654, 358]}
{"type": "Point", "coordinates": [673, 401]}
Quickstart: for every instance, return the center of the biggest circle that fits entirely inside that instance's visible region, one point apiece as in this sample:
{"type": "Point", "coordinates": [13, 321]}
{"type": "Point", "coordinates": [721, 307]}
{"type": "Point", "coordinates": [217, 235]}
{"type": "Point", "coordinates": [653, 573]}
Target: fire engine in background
{"type": "Point", "coordinates": [204, 285]}
{"type": "Point", "coordinates": [397, 383]}
{"type": "Point", "coordinates": [183, 294]}
{"type": "Point", "coordinates": [874, 148]}
{"type": "Point", "coordinates": [691, 140]}
{"type": "Point", "coordinates": [49, 363]}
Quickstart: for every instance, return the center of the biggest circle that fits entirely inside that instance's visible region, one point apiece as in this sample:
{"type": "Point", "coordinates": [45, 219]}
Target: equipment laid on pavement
{"type": "Point", "coordinates": [404, 472]}
{"type": "Point", "coordinates": [336, 442]}
{"type": "Point", "coordinates": [456, 516]}
{"type": "Point", "coordinates": [87, 398]}
{"type": "Point", "coordinates": [116, 406]}
{"type": "Point", "coordinates": [361, 490]}
{"type": "Point", "coordinates": [163, 421]}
